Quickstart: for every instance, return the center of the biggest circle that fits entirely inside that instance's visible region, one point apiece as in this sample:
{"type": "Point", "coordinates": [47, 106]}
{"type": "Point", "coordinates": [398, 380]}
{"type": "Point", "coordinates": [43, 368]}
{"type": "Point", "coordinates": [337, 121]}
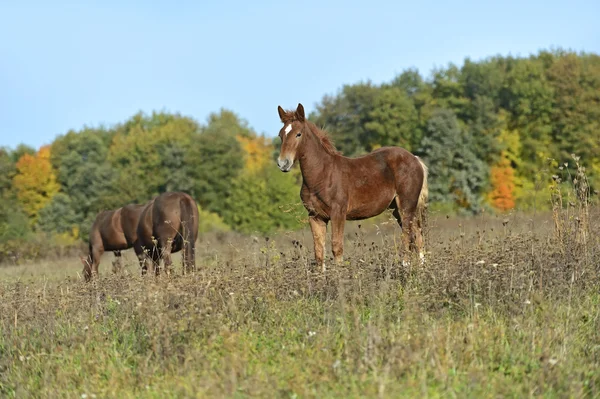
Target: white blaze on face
{"type": "Point", "coordinates": [288, 129]}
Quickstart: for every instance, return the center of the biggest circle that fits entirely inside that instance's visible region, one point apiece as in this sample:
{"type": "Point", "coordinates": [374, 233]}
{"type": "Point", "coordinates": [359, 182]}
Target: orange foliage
{"type": "Point", "coordinates": [35, 181]}
{"type": "Point", "coordinates": [258, 152]}
{"type": "Point", "coordinates": [502, 196]}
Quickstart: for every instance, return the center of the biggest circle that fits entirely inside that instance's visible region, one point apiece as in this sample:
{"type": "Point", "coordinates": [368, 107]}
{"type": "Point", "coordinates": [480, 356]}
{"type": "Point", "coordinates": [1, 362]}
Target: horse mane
{"type": "Point", "coordinates": [291, 116]}
{"type": "Point", "coordinates": [323, 138]}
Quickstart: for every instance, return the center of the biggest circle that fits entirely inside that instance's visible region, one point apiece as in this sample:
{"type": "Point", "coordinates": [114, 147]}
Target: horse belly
{"type": "Point", "coordinates": [366, 211]}
{"type": "Point", "coordinates": [114, 242]}
{"type": "Point", "coordinates": [369, 203]}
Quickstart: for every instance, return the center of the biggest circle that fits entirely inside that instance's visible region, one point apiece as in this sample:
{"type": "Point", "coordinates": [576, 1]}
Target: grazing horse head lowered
{"type": "Point", "coordinates": [114, 230]}
{"type": "Point", "coordinates": [337, 188]}
{"type": "Point", "coordinates": [165, 225]}
{"type": "Point", "coordinates": [168, 224]}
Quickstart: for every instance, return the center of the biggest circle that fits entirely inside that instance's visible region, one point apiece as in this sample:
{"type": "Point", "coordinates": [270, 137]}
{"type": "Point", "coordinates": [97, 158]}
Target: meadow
{"type": "Point", "coordinates": [506, 306]}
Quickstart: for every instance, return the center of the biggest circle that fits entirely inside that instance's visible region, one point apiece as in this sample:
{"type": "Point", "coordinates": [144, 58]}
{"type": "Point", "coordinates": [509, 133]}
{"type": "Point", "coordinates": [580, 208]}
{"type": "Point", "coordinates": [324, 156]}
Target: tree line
{"type": "Point", "coordinates": [489, 131]}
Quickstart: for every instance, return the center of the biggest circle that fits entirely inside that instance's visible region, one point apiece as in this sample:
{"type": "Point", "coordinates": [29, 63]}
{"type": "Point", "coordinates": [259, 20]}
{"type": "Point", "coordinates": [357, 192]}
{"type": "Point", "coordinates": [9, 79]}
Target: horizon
{"type": "Point", "coordinates": [67, 67]}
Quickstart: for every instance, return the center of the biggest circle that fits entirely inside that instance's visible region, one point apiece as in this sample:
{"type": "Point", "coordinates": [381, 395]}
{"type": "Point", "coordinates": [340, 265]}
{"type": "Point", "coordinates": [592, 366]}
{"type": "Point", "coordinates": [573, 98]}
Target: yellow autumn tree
{"type": "Point", "coordinates": [506, 185]}
{"type": "Point", "coordinates": [502, 175]}
{"type": "Point", "coordinates": [257, 150]}
{"type": "Point", "coordinates": [35, 182]}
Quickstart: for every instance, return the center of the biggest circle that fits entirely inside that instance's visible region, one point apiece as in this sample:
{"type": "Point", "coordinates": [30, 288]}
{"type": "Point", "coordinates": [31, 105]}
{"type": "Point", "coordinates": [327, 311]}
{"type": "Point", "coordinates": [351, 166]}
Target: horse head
{"type": "Point", "coordinates": [291, 136]}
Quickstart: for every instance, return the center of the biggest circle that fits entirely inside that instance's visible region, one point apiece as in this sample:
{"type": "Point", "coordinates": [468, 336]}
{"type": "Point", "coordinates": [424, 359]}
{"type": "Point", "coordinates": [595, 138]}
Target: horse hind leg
{"type": "Point", "coordinates": [396, 206]}
{"type": "Point", "coordinates": [143, 258]}
{"type": "Point", "coordinates": [405, 217]}
{"type": "Point", "coordinates": [117, 263]}
{"type": "Point", "coordinates": [414, 219]}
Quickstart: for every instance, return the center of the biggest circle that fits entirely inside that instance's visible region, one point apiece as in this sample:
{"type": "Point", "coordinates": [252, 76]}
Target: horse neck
{"type": "Point", "coordinates": [314, 160]}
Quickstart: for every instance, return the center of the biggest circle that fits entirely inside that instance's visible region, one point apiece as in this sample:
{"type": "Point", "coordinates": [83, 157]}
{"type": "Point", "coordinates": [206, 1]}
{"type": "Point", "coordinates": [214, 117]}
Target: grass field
{"type": "Point", "coordinates": [506, 306]}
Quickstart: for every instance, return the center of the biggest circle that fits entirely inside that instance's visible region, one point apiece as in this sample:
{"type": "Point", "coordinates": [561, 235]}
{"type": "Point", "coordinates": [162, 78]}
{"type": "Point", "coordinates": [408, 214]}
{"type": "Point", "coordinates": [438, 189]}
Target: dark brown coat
{"type": "Point", "coordinates": [168, 224]}
{"type": "Point", "coordinates": [115, 231]}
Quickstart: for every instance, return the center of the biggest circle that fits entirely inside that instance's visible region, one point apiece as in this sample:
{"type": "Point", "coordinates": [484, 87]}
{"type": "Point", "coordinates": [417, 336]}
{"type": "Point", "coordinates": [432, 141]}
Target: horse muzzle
{"type": "Point", "coordinates": [285, 165]}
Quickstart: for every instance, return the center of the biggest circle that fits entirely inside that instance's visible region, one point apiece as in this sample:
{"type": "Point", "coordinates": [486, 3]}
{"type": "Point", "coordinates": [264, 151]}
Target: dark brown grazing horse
{"type": "Point", "coordinates": [336, 188]}
{"type": "Point", "coordinates": [168, 224]}
{"type": "Point", "coordinates": [115, 231]}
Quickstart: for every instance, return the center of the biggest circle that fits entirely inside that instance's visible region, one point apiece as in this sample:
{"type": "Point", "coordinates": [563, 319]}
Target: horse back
{"type": "Point", "coordinates": [370, 183]}
{"type": "Point", "coordinates": [107, 232]}
{"type": "Point", "coordinates": [386, 160]}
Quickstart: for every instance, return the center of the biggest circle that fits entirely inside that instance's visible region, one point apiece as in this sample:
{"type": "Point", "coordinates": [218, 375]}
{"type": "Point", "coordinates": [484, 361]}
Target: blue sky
{"type": "Point", "coordinates": [64, 65]}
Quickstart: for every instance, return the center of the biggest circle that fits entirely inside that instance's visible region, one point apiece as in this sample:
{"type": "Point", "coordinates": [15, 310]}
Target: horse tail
{"type": "Point", "coordinates": [423, 196]}
{"type": "Point", "coordinates": [189, 238]}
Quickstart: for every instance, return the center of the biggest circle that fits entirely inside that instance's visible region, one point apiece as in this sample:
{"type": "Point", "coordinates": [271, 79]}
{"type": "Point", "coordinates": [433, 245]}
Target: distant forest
{"type": "Point", "coordinates": [492, 132]}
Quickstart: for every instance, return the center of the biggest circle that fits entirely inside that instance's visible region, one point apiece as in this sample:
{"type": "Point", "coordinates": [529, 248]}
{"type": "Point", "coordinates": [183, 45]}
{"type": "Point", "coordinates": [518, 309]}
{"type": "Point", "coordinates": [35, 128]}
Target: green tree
{"type": "Point", "coordinates": [263, 202]}
{"type": "Point", "coordinates": [527, 96]}
{"type": "Point", "coordinates": [60, 216]}
{"type": "Point", "coordinates": [21, 150]}
{"type": "Point", "coordinates": [8, 169]}
{"type": "Point", "coordinates": [345, 115]}
{"type": "Point", "coordinates": [420, 93]}
{"type": "Point", "coordinates": [86, 177]}
{"type": "Point", "coordinates": [13, 221]}
{"type": "Point", "coordinates": [220, 159]}
{"type": "Point", "coordinates": [152, 154]}
{"type": "Point", "coordinates": [411, 82]}
{"type": "Point", "coordinates": [485, 126]}
{"type": "Point", "coordinates": [393, 120]}
{"type": "Point", "coordinates": [484, 79]}
{"type": "Point", "coordinates": [448, 91]}
{"type": "Point", "coordinates": [457, 176]}
{"type": "Point", "coordinates": [575, 114]}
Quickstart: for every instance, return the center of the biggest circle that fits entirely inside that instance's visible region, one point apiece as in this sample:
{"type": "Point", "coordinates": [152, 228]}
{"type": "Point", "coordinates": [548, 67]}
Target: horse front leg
{"type": "Point", "coordinates": [90, 269]}
{"type": "Point", "coordinates": [338, 220]}
{"type": "Point", "coordinates": [410, 236]}
{"type": "Point", "coordinates": [166, 245]}
{"type": "Point", "coordinates": [318, 227]}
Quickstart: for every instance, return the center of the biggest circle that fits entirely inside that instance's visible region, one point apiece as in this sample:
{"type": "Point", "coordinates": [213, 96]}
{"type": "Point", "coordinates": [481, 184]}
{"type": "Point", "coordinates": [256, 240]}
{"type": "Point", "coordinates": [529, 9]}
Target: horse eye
{"type": "Point", "coordinates": [299, 134]}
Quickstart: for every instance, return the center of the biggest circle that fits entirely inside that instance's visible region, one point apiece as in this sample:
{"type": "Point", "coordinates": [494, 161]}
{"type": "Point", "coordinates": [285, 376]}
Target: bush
{"type": "Point", "coordinates": [39, 246]}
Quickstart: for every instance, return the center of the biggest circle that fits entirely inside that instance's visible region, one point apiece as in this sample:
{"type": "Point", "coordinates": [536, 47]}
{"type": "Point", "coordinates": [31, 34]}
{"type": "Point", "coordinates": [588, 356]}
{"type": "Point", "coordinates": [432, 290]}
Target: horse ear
{"type": "Point", "coordinates": [300, 113]}
{"type": "Point", "coordinates": [281, 112]}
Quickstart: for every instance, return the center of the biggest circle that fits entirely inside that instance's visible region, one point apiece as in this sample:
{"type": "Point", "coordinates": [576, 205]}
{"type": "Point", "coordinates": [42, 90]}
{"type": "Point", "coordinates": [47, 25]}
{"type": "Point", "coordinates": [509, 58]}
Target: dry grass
{"type": "Point", "coordinates": [500, 309]}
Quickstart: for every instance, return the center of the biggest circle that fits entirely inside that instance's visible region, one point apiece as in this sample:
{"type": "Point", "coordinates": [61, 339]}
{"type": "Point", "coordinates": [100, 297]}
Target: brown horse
{"type": "Point", "coordinates": [336, 188]}
{"type": "Point", "coordinates": [168, 224]}
{"type": "Point", "coordinates": [115, 231]}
